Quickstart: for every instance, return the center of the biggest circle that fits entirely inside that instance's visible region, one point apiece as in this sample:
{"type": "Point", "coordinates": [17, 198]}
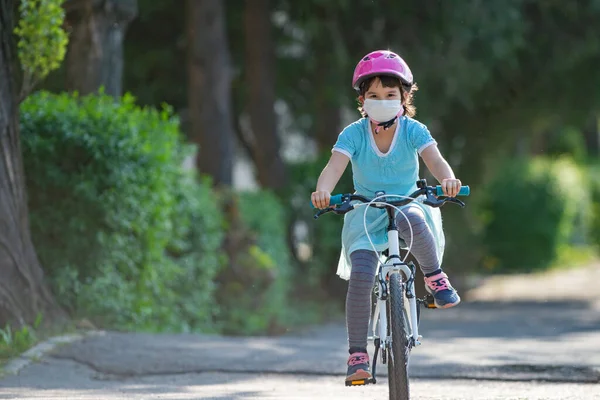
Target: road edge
{"type": "Point", "coordinates": [37, 352]}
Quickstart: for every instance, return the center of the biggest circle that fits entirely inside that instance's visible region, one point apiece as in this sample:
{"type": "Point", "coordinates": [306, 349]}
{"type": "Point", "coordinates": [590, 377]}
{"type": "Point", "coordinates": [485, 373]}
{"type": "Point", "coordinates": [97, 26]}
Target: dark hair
{"type": "Point", "coordinates": [391, 81]}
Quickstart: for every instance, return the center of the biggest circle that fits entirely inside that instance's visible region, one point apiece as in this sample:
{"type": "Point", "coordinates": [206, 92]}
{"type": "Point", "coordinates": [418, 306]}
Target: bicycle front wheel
{"type": "Point", "coordinates": [400, 349]}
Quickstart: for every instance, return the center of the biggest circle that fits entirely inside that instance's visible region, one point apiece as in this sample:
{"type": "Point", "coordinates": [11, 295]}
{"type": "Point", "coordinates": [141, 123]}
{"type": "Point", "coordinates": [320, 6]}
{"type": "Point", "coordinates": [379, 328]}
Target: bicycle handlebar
{"type": "Point", "coordinates": [340, 203]}
{"type": "Point", "coordinates": [338, 198]}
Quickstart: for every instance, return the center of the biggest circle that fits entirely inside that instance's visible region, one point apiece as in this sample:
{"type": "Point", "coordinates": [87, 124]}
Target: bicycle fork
{"type": "Point", "coordinates": [380, 322]}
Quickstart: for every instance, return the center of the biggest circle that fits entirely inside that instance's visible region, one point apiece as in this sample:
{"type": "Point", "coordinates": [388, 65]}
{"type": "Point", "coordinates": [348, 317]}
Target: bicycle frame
{"type": "Point", "coordinates": [392, 264]}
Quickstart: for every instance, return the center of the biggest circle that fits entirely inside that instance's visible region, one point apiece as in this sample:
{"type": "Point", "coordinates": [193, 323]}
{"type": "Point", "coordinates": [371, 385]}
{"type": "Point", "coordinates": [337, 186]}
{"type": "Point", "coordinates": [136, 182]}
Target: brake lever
{"type": "Point", "coordinates": [444, 199]}
{"type": "Point", "coordinates": [323, 211]}
{"type": "Point", "coordinates": [432, 200]}
{"type": "Point", "coordinates": [433, 203]}
{"type": "Point", "coordinates": [341, 209]}
{"type": "Point", "coordinates": [439, 201]}
{"type": "Point", "coordinates": [455, 201]}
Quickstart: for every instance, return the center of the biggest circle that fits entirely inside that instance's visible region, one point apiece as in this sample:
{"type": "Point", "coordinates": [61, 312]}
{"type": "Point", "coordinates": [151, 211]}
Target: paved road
{"type": "Point", "coordinates": [76, 382]}
{"type": "Point", "coordinates": [516, 350]}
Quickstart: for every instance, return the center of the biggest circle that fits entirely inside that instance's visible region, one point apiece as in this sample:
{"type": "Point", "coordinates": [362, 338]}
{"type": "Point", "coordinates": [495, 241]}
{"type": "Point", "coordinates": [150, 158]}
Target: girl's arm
{"type": "Point", "coordinates": [328, 179]}
{"type": "Point", "coordinates": [441, 170]}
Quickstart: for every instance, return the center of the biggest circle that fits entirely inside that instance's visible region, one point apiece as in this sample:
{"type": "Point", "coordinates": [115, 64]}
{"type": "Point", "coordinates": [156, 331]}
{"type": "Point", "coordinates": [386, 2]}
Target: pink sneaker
{"type": "Point", "coordinates": [444, 295]}
{"type": "Point", "coordinates": [358, 367]}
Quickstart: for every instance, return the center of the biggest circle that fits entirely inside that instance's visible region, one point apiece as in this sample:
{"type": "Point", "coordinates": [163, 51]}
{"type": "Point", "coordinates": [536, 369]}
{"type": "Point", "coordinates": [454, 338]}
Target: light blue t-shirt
{"type": "Point", "coordinates": [395, 172]}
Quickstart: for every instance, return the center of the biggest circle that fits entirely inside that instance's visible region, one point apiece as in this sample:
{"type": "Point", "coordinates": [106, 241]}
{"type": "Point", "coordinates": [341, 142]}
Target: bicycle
{"type": "Point", "coordinates": [394, 287]}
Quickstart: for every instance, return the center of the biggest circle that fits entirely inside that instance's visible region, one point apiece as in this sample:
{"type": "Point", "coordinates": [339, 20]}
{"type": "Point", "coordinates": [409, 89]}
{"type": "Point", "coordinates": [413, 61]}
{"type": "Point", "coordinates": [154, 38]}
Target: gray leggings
{"type": "Point", "coordinates": [364, 267]}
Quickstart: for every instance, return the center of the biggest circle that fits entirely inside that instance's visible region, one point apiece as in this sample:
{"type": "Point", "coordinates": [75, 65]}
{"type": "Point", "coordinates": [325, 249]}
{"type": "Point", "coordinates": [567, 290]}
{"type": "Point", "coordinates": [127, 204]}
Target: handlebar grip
{"type": "Point", "coordinates": [464, 191]}
{"type": "Point", "coordinates": [333, 200]}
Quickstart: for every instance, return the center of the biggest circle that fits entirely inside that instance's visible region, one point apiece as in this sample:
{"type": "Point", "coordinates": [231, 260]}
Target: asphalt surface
{"type": "Point", "coordinates": [520, 349]}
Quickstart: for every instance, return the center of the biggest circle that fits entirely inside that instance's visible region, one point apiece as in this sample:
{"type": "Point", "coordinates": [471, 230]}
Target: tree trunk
{"type": "Point", "coordinates": [95, 52]}
{"type": "Point", "coordinates": [328, 79]}
{"type": "Point", "coordinates": [260, 80]}
{"type": "Point", "coordinates": [328, 118]}
{"type": "Point", "coordinates": [209, 89]}
{"type": "Point", "coordinates": [23, 293]}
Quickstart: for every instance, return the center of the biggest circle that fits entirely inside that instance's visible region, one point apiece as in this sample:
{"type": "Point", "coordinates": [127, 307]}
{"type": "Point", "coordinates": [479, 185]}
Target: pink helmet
{"type": "Point", "coordinates": [381, 62]}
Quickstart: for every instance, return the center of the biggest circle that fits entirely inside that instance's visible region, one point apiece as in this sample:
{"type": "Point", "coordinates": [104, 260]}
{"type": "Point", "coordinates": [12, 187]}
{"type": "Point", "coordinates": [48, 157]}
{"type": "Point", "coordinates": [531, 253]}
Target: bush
{"type": "Point", "coordinates": [532, 211]}
{"type": "Point", "coordinates": [594, 184]}
{"type": "Point", "coordinates": [324, 235]}
{"type": "Point", "coordinates": [123, 232]}
{"type": "Point", "coordinates": [253, 288]}
{"type": "Point", "coordinates": [196, 247]}
{"type": "Point", "coordinates": [567, 141]}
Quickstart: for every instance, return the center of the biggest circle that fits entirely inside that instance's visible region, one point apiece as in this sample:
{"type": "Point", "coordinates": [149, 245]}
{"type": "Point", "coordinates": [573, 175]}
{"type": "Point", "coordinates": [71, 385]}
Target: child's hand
{"type": "Point", "coordinates": [451, 187]}
{"type": "Point", "coordinates": [320, 199]}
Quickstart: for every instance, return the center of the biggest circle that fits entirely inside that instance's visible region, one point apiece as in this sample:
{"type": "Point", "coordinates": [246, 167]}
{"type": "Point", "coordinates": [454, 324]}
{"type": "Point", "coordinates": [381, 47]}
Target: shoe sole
{"type": "Point", "coordinates": [448, 305]}
{"type": "Point", "coordinates": [359, 375]}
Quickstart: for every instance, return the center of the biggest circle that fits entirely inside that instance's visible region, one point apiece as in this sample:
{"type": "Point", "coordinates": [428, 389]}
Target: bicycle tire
{"type": "Point", "coordinates": [398, 355]}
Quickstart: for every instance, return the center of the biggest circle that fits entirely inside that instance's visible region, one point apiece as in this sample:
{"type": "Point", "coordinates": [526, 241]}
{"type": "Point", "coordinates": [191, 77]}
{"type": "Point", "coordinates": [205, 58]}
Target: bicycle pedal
{"type": "Point", "coordinates": [361, 382]}
{"type": "Point", "coordinates": [429, 302]}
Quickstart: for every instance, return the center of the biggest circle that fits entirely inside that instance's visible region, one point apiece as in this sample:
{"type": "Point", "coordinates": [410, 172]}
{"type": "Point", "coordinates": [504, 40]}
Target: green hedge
{"type": "Point", "coordinates": [533, 210]}
{"type": "Point", "coordinates": [253, 287]}
{"type": "Point", "coordinates": [198, 224]}
{"type": "Point", "coordinates": [124, 234]}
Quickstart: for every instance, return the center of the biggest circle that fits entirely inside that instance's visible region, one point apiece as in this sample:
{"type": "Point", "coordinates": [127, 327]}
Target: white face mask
{"type": "Point", "coordinates": [383, 110]}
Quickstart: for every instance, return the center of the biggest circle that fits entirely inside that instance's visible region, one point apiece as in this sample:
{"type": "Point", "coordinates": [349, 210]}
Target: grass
{"type": "Point", "coordinates": [15, 341]}
{"type": "Point", "coordinates": [574, 257]}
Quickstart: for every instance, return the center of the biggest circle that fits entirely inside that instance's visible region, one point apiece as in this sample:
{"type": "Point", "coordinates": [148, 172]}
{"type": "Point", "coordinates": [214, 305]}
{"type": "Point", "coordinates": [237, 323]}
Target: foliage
{"type": "Point", "coordinates": [42, 40]}
{"type": "Point", "coordinates": [324, 235]}
{"type": "Point", "coordinates": [505, 81]}
{"type": "Point", "coordinates": [482, 67]}
{"type": "Point", "coordinates": [567, 141]}
{"type": "Point", "coordinates": [123, 232]}
{"type": "Point", "coordinates": [594, 185]}
{"type": "Point", "coordinates": [198, 233]}
{"type": "Point", "coordinates": [532, 211]}
{"type": "Point", "coordinates": [155, 69]}
{"type": "Point", "coordinates": [14, 342]}
{"type": "Point", "coordinates": [505, 85]}
{"type": "Point", "coordinates": [253, 288]}
{"type": "Point", "coordinates": [505, 73]}
{"type": "Point", "coordinates": [490, 74]}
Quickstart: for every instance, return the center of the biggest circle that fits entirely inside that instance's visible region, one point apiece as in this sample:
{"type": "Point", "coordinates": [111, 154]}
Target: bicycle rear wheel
{"type": "Point", "coordinates": [400, 348]}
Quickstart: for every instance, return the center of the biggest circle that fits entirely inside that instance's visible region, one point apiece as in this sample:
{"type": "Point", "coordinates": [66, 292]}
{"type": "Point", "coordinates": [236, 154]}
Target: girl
{"type": "Point", "coordinates": [384, 146]}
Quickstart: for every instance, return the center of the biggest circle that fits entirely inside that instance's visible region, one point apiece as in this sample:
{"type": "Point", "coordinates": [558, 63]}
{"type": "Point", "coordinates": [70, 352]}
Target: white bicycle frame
{"type": "Point", "coordinates": [380, 320]}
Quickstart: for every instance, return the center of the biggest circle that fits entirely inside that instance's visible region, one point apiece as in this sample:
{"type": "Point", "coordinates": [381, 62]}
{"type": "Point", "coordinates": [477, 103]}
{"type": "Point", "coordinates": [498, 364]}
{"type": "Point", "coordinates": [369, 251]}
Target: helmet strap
{"type": "Point", "coordinates": [385, 125]}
